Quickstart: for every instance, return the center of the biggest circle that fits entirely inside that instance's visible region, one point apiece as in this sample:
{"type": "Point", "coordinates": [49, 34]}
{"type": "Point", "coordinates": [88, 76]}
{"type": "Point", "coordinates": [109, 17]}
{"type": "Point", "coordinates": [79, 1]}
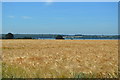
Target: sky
{"type": "Point", "coordinates": [0, 18]}
{"type": "Point", "coordinates": [60, 0]}
{"type": "Point", "coordinates": [60, 17]}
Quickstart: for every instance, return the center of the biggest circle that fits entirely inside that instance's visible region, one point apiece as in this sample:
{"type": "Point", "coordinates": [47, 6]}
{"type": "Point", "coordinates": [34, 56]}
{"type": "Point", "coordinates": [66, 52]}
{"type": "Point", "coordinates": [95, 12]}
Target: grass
{"type": "Point", "coordinates": [13, 71]}
{"type": "Point", "coordinates": [60, 58]}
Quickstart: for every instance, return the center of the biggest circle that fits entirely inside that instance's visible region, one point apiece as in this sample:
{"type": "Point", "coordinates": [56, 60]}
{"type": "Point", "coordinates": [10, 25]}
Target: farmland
{"type": "Point", "coordinates": [59, 58]}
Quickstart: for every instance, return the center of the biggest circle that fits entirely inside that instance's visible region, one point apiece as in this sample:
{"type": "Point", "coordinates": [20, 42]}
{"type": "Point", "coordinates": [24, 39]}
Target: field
{"type": "Point", "coordinates": [60, 58]}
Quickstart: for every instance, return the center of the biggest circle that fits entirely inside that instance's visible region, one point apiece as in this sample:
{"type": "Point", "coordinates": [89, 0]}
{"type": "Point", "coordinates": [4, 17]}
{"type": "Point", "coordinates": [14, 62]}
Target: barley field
{"type": "Point", "coordinates": [60, 58]}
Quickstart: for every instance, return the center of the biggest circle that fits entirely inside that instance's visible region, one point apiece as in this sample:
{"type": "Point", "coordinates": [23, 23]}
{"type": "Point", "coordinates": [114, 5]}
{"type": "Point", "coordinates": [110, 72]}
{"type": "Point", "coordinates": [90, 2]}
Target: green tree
{"type": "Point", "coordinates": [9, 36]}
{"type": "Point", "coordinates": [59, 37]}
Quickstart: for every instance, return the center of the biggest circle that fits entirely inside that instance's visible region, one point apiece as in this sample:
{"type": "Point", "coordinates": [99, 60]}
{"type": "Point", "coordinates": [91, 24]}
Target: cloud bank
{"type": "Point", "coordinates": [11, 16]}
{"type": "Point", "coordinates": [26, 17]}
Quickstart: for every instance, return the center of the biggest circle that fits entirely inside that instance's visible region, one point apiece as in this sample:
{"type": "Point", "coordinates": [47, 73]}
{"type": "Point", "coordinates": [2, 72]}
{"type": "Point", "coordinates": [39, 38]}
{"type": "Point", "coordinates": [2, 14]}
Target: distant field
{"type": "Point", "coordinates": [60, 58]}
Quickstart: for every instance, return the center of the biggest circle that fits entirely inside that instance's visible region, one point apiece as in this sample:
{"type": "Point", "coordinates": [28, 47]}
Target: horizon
{"type": "Point", "coordinates": [90, 18]}
{"type": "Point", "coordinates": [60, 34]}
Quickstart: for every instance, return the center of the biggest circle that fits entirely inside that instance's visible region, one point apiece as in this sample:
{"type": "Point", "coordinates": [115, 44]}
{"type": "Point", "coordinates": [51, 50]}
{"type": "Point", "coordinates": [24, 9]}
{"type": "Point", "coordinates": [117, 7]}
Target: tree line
{"type": "Point", "coordinates": [11, 36]}
{"type": "Point", "coordinates": [56, 36]}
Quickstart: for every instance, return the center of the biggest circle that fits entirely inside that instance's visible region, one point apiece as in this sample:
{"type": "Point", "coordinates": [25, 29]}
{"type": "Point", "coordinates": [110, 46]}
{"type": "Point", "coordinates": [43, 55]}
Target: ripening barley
{"type": "Point", "coordinates": [60, 58]}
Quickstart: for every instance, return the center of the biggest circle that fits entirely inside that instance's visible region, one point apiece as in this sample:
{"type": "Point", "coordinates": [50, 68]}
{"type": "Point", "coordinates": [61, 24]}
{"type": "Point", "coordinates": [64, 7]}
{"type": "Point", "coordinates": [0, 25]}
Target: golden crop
{"type": "Point", "coordinates": [60, 58]}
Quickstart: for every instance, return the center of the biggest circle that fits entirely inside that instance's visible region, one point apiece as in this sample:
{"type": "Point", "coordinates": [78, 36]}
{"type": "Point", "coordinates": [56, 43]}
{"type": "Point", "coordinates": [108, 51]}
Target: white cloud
{"type": "Point", "coordinates": [49, 2]}
{"type": "Point", "coordinates": [26, 17]}
{"type": "Point", "coordinates": [11, 16]}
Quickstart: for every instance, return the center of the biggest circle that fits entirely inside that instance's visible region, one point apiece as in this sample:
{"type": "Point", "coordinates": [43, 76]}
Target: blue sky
{"type": "Point", "coordinates": [0, 17]}
{"type": "Point", "coordinates": [60, 17]}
